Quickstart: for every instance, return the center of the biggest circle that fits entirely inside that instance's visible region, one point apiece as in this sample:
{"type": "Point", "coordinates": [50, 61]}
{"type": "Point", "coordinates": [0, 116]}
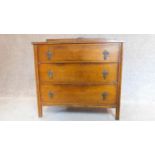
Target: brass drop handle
{"type": "Point", "coordinates": [105, 73]}
{"type": "Point", "coordinates": [50, 94]}
{"type": "Point", "coordinates": [104, 95]}
{"type": "Point", "coordinates": [49, 55]}
{"type": "Point", "coordinates": [50, 74]}
{"type": "Point", "coordinates": [106, 54]}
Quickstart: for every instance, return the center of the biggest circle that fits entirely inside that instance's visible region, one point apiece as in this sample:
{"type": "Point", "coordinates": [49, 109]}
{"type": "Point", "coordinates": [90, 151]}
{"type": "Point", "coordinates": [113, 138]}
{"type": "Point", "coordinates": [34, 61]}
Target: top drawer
{"type": "Point", "coordinates": [79, 52]}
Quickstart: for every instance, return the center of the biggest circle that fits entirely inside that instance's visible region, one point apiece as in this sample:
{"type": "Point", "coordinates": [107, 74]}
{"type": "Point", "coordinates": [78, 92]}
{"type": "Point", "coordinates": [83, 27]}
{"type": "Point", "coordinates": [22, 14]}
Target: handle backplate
{"type": "Point", "coordinates": [50, 94]}
{"type": "Point", "coordinates": [50, 74]}
{"type": "Point", "coordinates": [106, 55]}
{"type": "Point", "coordinates": [105, 74]}
{"type": "Point", "coordinates": [104, 95]}
{"type": "Point", "coordinates": [49, 55]}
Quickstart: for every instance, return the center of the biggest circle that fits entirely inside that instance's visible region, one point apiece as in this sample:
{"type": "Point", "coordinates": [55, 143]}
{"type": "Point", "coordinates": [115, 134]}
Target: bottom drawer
{"type": "Point", "coordinates": [75, 95]}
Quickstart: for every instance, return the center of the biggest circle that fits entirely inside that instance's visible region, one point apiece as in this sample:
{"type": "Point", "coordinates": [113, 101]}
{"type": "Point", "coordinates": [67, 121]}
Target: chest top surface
{"type": "Point", "coordinates": [78, 41]}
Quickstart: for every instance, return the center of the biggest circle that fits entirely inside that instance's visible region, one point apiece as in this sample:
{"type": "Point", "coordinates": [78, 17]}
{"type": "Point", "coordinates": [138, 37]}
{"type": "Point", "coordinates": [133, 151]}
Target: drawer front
{"type": "Point", "coordinates": [74, 95]}
{"type": "Point", "coordinates": [79, 52]}
{"type": "Point", "coordinates": [78, 73]}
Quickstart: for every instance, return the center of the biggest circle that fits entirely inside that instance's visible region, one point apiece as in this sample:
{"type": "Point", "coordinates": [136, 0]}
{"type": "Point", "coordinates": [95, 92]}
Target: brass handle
{"type": "Point", "coordinates": [50, 94]}
{"type": "Point", "coordinates": [50, 74]}
{"type": "Point", "coordinates": [104, 95]}
{"type": "Point", "coordinates": [49, 55]}
{"type": "Point", "coordinates": [106, 55]}
{"type": "Point", "coordinates": [105, 73]}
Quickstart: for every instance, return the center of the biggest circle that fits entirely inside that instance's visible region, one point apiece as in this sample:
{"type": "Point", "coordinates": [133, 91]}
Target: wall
{"type": "Point", "coordinates": [17, 65]}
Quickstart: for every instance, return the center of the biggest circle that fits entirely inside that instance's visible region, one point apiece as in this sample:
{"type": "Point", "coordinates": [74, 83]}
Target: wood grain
{"type": "Point", "coordinates": [79, 52]}
{"type": "Point", "coordinates": [77, 41]}
{"type": "Point", "coordinates": [37, 81]}
{"type": "Point", "coordinates": [119, 85]}
{"type": "Point", "coordinates": [78, 73]}
{"type": "Point", "coordinates": [76, 69]}
{"type": "Point", "coordinates": [70, 94]}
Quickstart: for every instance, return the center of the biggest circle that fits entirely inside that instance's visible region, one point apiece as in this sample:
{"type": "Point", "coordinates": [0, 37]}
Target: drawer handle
{"type": "Point", "coordinates": [106, 55]}
{"type": "Point", "coordinates": [104, 95]}
{"type": "Point", "coordinates": [49, 55]}
{"type": "Point", "coordinates": [50, 94]}
{"type": "Point", "coordinates": [50, 74]}
{"type": "Point", "coordinates": [105, 73]}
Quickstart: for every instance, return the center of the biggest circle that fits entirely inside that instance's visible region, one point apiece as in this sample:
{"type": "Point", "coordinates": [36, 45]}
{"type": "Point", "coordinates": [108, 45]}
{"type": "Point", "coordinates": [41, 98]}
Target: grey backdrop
{"type": "Point", "coordinates": [17, 65]}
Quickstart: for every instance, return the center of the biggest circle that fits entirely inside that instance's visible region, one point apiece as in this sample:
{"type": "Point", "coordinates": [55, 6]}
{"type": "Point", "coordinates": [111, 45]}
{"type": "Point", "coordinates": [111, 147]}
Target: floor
{"type": "Point", "coordinates": [25, 109]}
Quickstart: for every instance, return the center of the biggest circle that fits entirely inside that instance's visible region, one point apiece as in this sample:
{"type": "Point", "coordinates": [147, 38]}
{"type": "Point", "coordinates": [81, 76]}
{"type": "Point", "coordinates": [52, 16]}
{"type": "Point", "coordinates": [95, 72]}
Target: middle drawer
{"type": "Point", "coordinates": [78, 73]}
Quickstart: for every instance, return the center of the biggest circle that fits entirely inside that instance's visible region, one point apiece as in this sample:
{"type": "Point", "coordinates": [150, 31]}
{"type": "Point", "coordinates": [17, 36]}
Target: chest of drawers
{"type": "Point", "coordinates": [78, 73]}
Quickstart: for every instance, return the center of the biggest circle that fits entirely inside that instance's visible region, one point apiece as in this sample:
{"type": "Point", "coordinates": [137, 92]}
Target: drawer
{"type": "Point", "coordinates": [79, 52]}
{"type": "Point", "coordinates": [79, 73]}
{"type": "Point", "coordinates": [74, 95]}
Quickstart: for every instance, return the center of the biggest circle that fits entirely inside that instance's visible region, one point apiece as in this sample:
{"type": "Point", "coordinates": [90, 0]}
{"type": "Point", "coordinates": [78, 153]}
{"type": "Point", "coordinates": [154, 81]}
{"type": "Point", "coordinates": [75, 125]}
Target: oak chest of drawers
{"type": "Point", "coordinates": [78, 73]}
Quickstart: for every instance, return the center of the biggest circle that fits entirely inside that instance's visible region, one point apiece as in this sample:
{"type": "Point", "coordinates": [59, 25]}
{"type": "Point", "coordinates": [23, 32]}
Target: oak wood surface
{"type": "Point", "coordinates": [70, 94]}
{"type": "Point", "coordinates": [76, 69]}
{"type": "Point", "coordinates": [119, 85]}
{"type": "Point", "coordinates": [79, 52]}
{"type": "Point", "coordinates": [78, 41]}
{"type": "Point", "coordinates": [78, 73]}
{"type": "Point", "coordinates": [37, 81]}
{"type": "Point", "coordinates": [81, 41]}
